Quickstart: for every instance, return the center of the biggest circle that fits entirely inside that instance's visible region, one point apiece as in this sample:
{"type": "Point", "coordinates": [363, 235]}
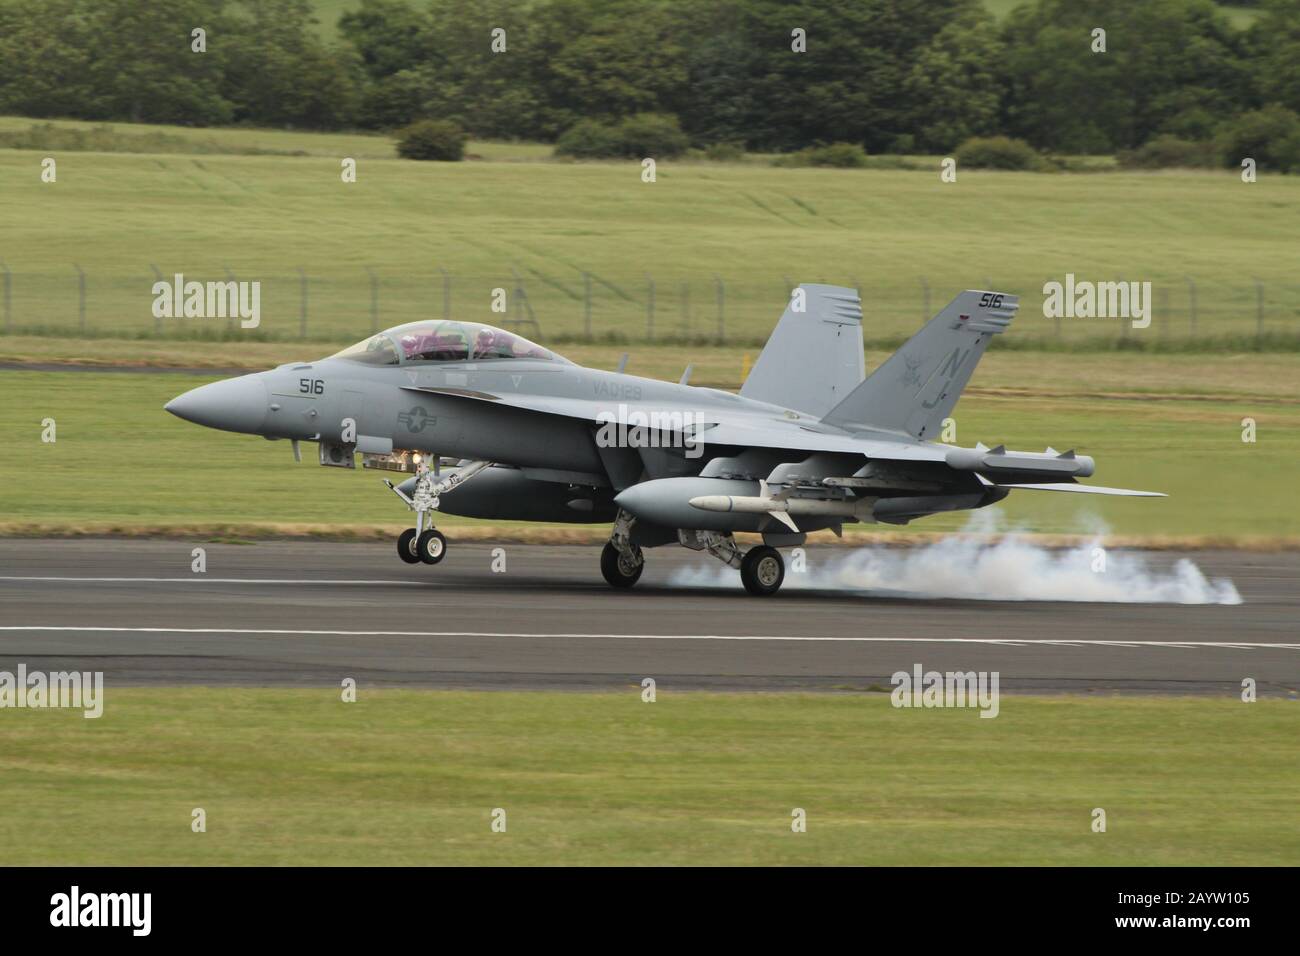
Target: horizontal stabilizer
{"type": "Point", "coordinates": [1088, 490]}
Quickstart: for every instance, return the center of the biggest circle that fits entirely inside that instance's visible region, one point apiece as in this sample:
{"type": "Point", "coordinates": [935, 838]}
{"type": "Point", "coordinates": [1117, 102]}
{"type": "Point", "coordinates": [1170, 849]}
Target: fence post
{"type": "Point", "coordinates": [157, 320]}
{"type": "Point", "coordinates": [586, 305]}
{"type": "Point", "coordinates": [722, 301]}
{"type": "Point", "coordinates": [374, 300]}
{"type": "Point", "coordinates": [302, 302]}
{"type": "Point", "coordinates": [446, 293]}
{"type": "Point", "coordinates": [1191, 301]}
{"type": "Point", "coordinates": [650, 308]}
{"type": "Point", "coordinates": [522, 307]}
{"type": "Point", "coordinates": [1259, 308]}
{"type": "Point", "coordinates": [81, 297]}
{"type": "Point", "coordinates": [925, 299]}
{"type": "Point", "coordinates": [8, 299]}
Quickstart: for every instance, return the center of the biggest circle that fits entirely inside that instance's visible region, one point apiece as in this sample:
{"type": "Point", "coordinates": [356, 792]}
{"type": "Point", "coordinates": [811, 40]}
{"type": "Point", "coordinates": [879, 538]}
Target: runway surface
{"type": "Point", "coordinates": [311, 614]}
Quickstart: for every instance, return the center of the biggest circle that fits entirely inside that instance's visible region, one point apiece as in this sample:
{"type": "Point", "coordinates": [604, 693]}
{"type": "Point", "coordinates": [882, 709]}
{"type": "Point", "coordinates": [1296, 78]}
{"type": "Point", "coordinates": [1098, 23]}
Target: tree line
{"type": "Point", "coordinates": [774, 75]}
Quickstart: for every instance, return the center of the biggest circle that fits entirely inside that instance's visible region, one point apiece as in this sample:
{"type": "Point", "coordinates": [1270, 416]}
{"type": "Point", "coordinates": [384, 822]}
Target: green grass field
{"type": "Point", "coordinates": [121, 463]}
{"type": "Point", "coordinates": [412, 777]}
{"type": "Point", "coordinates": [748, 227]}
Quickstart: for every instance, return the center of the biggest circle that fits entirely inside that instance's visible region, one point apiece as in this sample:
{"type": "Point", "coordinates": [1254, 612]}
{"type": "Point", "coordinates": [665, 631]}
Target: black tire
{"type": "Point", "coordinates": [406, 547]}
{"type": "Point", "coordinates": [431, 546]}
{"type": "Point", "coordinates": [615, 567]}
{"type": "Point", "coordinates": [762, 570]}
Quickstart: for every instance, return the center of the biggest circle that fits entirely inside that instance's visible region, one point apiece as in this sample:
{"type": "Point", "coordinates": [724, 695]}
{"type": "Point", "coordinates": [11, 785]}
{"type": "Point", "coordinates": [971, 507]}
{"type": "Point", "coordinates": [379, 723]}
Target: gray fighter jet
{"type": "Point", "coordinates": [490, 425]}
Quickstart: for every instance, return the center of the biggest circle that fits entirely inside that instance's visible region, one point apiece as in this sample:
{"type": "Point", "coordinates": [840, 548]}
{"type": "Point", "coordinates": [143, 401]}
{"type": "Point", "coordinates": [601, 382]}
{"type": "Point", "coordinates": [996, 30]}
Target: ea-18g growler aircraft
{"type": "Point", "coordinates": [490, 425]}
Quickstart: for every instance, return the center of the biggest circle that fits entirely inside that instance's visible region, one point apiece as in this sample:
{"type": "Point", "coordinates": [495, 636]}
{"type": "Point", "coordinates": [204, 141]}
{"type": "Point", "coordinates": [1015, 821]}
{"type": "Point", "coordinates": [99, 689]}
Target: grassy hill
{"type": "Point", "coordinates": [720, 241]}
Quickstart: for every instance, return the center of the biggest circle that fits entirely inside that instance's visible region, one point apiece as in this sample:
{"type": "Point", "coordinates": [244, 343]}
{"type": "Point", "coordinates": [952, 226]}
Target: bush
{"type": "Point", "coordinates": [652, 134]}
{"type": "Point", "coordinates": [1164, 152]}
{"type": "Point", "coordinates": [432, 139]}
{"type": "Point", "coordinates": [589, 139]}
{"type": "Point", "coordinates": [998, 152]}
{"type": "Point", "coordinates": [1270, 136]}
{"type": "Point", "coordinates": [634, 137]}
{"type": "Point", "coordinates": [841, 155]}
{"type": "Point", "coordinates": [725, 152]}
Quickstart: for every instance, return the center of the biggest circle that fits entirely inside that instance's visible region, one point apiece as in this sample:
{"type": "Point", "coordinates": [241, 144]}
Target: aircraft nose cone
{"type": "Point", "coordinates": [233, 404]}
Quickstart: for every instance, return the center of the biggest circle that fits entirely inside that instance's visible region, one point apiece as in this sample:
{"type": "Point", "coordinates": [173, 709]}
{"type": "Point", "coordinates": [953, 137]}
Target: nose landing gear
{"type": "Point", "coordinates": [420, 544]}
{"type": "Point", "coordinates": [428, 544]}
{"type": "Point", "coordinates": [431, 546]}
{"type": "Point", "coordinates": [406, 546]}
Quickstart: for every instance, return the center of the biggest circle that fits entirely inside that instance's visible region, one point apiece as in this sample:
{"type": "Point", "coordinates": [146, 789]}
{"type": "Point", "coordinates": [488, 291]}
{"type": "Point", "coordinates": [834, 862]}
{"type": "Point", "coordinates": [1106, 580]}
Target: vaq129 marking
{"type": "Point", "coordinates": [490, 425]}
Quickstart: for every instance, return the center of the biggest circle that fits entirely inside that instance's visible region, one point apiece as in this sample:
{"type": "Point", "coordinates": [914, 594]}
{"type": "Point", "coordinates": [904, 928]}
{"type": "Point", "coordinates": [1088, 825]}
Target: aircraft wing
{"type": "Point", "coordinates": [792, 435]}
{"type": "Point", "coordinates": [546, 404]}
{"type": "Point", "coordinates": [740, 429]}
{"type": "Point", "coordinates": [748, 430]}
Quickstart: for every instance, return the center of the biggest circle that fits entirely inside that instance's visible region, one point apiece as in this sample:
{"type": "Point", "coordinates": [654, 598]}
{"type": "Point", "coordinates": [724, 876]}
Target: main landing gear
{"type": "Point", "coordinates": [621, 561]}
{"type": "Point", "coordinates": [762, 569]}
{"type": "Point", "coordinates": [421, 543]}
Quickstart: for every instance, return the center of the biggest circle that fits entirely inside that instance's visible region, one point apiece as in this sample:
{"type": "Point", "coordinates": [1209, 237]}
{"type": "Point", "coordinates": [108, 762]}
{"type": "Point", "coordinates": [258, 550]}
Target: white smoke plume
{"type": "Point", "coordinates": [1009, 568]}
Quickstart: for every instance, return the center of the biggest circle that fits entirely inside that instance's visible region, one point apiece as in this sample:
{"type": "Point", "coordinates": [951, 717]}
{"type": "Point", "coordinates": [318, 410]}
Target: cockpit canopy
{"type": "Point", "coordinates": [444, 341]}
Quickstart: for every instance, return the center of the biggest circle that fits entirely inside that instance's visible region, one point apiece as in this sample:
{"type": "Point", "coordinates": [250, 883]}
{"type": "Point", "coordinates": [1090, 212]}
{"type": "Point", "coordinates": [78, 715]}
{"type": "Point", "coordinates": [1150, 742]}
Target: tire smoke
{"type": "Point", "coordinates": [1009, 568]}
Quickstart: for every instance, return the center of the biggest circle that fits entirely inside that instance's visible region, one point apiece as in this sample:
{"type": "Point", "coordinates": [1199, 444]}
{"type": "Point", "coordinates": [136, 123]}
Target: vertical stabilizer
{"type": "Point", "coordinates": [813, 358]}
{"type": "Point", "coordinates": [917, 387]}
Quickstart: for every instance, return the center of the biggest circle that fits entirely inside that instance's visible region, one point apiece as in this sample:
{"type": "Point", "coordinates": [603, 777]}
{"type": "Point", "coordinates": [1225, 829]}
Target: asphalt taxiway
{"type": "Point", "coordinates": [311, 613]}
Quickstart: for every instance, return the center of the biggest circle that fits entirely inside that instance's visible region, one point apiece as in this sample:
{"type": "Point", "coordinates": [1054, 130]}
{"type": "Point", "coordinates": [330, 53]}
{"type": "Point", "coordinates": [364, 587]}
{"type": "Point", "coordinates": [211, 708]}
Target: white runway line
{"type": "Point", "coordinates": [1182, 645]}
{"type": "Point", "coordinates": [204, 579]}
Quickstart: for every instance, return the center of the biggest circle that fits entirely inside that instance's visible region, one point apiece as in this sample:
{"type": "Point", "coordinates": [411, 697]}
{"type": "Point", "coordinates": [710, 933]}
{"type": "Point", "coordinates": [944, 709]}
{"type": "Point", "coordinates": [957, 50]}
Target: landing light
{"type": "Point", "coordinates": [399, 460]}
